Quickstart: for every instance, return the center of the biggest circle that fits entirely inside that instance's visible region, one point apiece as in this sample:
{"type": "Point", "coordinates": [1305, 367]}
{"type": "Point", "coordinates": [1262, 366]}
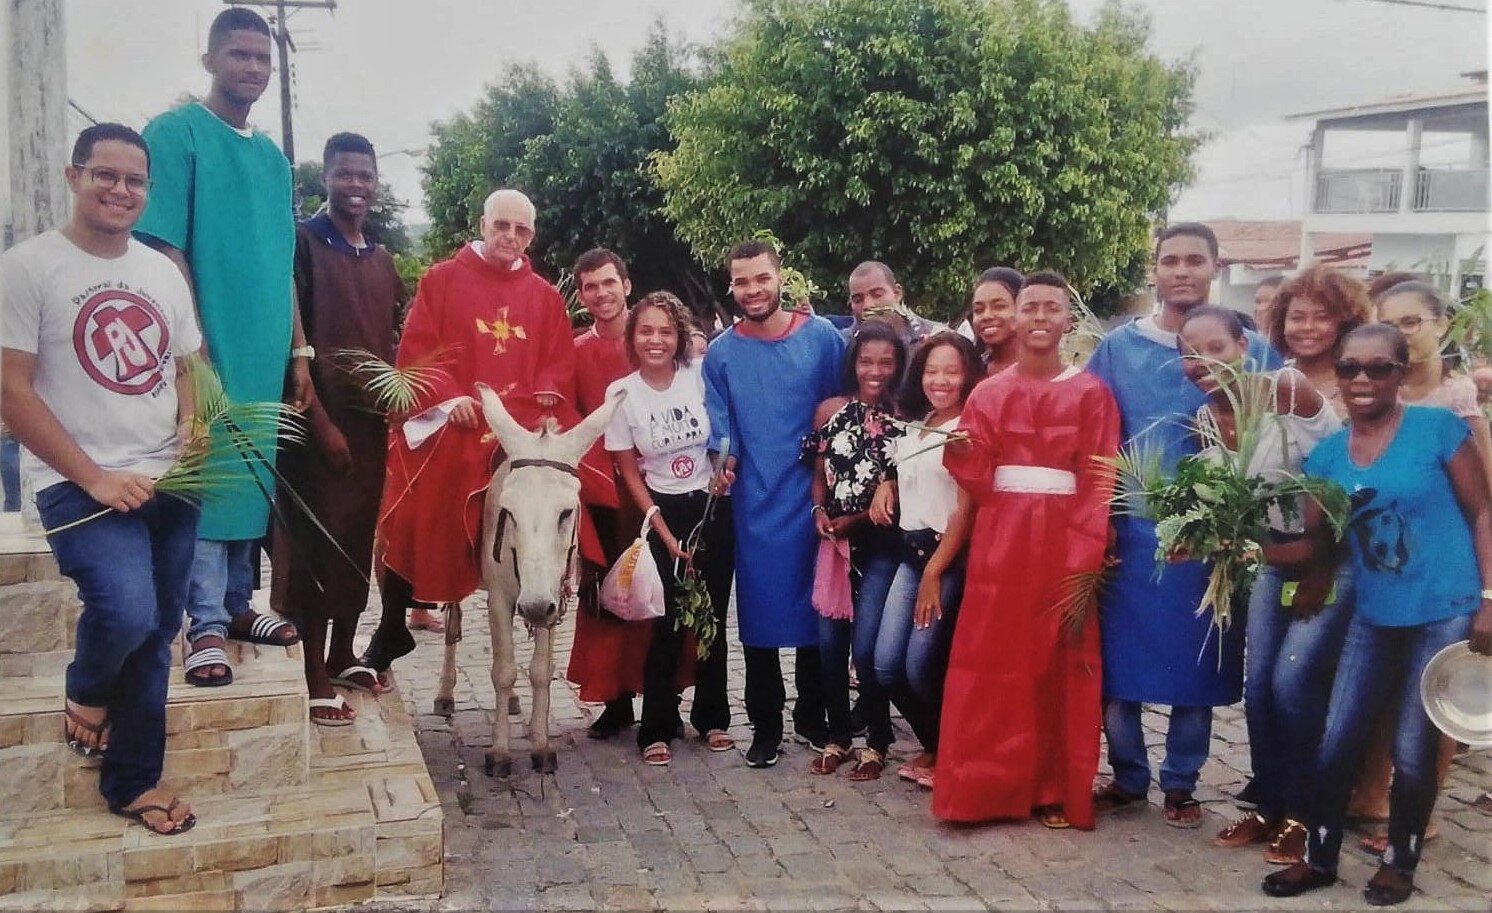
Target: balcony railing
{"type": "Point", "coordinates": [1444, 190]}
{"type": "Point", "coordinates": [1359, 190]}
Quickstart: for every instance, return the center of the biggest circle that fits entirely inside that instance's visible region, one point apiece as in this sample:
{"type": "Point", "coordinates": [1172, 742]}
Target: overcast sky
{"type": "Point", "coordinates": [387, 68]}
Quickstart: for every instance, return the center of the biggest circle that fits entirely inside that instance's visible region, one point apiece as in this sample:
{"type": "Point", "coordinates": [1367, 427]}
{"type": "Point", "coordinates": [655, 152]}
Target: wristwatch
{"type": "Point", "coordinates": [303, 352]}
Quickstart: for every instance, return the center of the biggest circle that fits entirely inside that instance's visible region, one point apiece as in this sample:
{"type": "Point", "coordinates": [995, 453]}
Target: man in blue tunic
{"type": "Point", "coordinates": [763, 379]}
{"type": "Point", "coordinates": [1155, 648]}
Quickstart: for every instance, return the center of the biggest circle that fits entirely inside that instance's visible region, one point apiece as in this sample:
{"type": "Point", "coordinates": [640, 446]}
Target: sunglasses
{"type": "Point", "coordinates": [1347, 369]}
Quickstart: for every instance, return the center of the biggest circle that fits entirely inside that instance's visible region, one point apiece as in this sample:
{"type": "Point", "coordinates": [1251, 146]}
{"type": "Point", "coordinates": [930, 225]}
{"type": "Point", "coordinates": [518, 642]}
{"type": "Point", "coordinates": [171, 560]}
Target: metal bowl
{"type": "Point", "coordinates": [1456, 690]}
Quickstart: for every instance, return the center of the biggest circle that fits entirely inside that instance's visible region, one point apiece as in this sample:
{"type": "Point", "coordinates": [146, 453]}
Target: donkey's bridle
{"type": "Point", "coordinates": [546, 464]}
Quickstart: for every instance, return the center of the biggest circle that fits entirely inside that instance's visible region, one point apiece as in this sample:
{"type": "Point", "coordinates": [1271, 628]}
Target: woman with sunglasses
{"type": "Point", "coordinates": [657, 437]}
{"type": "Point", "coordinates": [1292, 649]}
{"type": "Point", "coordinates": [1420, 540]}
{"type": "Point", "coordinates": [1416, 310]}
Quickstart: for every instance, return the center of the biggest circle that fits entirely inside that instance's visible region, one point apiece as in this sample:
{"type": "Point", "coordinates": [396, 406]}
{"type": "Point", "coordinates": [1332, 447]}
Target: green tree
{"type": "Point", "coordinates": [941, 136]}
{"type": "Point", "coordinates": [581, 152]}
{"type": "Point", "coordinates": [385, 223]}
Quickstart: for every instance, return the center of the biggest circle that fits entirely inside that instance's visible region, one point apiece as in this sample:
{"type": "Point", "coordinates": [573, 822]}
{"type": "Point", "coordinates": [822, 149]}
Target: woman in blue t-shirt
{"type": "Point", "coordinates": [1420, 541]}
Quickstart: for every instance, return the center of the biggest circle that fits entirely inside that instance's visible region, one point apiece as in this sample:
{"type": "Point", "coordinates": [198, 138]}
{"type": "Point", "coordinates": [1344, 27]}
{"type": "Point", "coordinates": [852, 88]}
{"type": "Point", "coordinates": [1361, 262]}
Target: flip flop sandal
{"type": "Point", "coordinates": [1377, 844]}
{"type": "Point", "coordinates": [719, 740]}
{"type": "Point", "coordinates": [1483, 803]}
{"type": "Point", "coordinates": [870, 767]}
{"type": "Point", "coordinates": [335, 704]}
{"type": "Point", "coordinates": [137, 814]}
{"type": "Point", "coordinates": [434, 626]}
{"type": "Point", "coordinates": [926, 779]}
{"type": "Point", "coordinates": [1051, 816]}
{"type": "Point", "coordinates": [76, 745]}
{"type": "Point", "coordinates": [657, 754]}
{"type": "Point", "coordinates": [828, 760]}
{"type": "Point", "coordinates": [910, 773]}
{"type": "Point", "coordinates": [346, 680]}
{"type": "Point", "coordinates": [1177, 805]}
{"type": "Point", "coordinates": [263, 630]}
{"type": "Point", "coordinates": [197, 662]}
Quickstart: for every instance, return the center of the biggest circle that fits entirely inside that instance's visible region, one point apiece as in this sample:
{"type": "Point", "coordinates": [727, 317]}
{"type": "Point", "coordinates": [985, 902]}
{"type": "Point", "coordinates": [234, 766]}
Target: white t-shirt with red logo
{"type": "Point", "coordinates": [106, 334]}
{"type": "Point", "coordinates": [668, 428]}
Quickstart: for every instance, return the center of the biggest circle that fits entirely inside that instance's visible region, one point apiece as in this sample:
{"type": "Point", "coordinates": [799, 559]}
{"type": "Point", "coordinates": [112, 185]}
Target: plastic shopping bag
{"type": "Point", "coordinates": [633, 588]}
{"type": "Point", "coordinates": [831, 580]}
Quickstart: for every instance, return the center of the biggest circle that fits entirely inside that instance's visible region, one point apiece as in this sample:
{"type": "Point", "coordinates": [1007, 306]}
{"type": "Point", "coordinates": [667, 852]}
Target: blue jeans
{"type": "Point", "coordinates": [131, 570]}
{"type": "Point", "coordinates": [874, 555]}
{"type": "Point", "coordinates": [1289, 673]}
{"type": "Point", "coordinates": [1188, 739]}
{"type": "Point", "coordinates": [222, 581]}
{"type": "Point", "coordinates": [10, 471]}
{"type": "Point", "coordinates": [911, 662]}
{"type": "Point", "coordinates": [1380, 668]}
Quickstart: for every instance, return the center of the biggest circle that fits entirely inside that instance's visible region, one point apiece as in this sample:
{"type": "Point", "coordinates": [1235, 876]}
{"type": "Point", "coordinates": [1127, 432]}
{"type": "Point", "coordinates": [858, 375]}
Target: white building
{"type": "Point", "coordinates": [1427, 210]}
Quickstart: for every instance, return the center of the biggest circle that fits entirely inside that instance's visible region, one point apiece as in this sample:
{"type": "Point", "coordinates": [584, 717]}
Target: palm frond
{"type": "Point", "coordinates": [394, 390]}
{"type": "Point", "coordinates": [1077, 600]}
{"type": "Point", "coordinates": [1086, 332]}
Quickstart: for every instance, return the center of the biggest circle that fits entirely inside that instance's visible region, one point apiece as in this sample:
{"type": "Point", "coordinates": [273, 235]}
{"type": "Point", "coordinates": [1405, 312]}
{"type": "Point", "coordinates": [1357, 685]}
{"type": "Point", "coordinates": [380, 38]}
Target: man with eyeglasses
{"type": "Point", "coordinates": [94, 326]}
{"type": "Point", "coordinates": [221, 210]}
{"type": "Point", "coordinates": [483, 315]}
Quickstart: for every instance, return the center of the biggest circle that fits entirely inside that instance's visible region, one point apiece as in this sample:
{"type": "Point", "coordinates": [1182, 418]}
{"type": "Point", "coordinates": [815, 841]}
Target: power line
{"type": "Point", "coordinates": [1428, 4]}
{"type": "Point", "coordinates": [283, 10]}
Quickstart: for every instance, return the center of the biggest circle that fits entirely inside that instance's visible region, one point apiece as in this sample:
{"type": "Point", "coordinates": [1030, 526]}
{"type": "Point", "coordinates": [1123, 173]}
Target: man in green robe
{"type": "Point", "coordinates": [220, 208]}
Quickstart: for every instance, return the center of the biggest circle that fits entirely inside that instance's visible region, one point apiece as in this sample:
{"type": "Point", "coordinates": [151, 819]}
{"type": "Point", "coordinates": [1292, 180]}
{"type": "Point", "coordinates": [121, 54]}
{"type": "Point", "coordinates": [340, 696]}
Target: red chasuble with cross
{"type": "Point", "coordinates": [507, 328]}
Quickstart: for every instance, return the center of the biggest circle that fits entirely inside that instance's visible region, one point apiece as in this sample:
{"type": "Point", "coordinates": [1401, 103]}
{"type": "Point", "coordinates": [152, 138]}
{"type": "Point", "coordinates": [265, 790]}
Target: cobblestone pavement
{"type": "Point", "coordinates": [707, 832]}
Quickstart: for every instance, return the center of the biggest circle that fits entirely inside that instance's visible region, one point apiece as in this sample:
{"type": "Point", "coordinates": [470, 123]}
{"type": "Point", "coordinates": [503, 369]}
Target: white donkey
{"type": "Point", "coordinates": [530, 526]}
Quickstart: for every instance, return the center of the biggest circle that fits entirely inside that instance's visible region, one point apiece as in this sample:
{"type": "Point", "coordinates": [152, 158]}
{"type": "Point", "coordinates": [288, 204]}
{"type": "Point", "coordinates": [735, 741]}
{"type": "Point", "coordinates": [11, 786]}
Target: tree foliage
{"type": "Point", "coordinates": [581, 153]}
{"type": "Point", "coordinates": [941, 136]}
{"type": "Point", "coordinates": [385, 222]}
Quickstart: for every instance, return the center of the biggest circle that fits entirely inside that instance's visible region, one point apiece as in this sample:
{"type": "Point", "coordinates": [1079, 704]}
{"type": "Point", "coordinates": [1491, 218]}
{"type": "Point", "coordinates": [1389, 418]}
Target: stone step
{"type": "Point", "coordinates": [249, 736]}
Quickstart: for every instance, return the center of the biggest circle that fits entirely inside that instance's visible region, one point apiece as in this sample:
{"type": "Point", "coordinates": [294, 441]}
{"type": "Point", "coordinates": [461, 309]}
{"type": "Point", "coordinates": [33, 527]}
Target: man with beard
{"type": "Point", "coordinates": [607, 658]}
{"type": "Point", "coordinates": [220, 209]}
{"type": "Point", "coordinates": [764, 377]}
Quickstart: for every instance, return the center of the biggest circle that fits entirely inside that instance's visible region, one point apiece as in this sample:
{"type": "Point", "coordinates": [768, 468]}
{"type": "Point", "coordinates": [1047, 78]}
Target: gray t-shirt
{"type": "Point", "coordinates": [106, 334]}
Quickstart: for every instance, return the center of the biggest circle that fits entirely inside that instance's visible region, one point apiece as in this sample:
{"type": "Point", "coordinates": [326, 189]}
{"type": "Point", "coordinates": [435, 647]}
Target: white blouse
{"type": "Point", "coordinates": [927, 492]}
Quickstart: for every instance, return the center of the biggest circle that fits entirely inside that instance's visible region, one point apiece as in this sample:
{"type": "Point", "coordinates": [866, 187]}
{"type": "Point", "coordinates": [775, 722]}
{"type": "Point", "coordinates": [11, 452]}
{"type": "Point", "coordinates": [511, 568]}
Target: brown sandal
{"type": "Point", "coordinates": [1182, 809]}
{"type": "Point", "coordinates": [138, 812]}
{"type": "Point", "coordinates": [1051, 816]}
{"type": "Point", "coordinates": [828, 760]}
{"type": "Point", "coordinates": [99, 730]}
{"type": "Point", "coordinates": [1109, 797]}
{"type": "Point", "coordinates": [870, 766]}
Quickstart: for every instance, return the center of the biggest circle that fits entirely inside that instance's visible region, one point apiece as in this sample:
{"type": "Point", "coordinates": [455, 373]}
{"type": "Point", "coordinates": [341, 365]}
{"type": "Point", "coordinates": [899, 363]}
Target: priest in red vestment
{"type": "Point", "coordinates": [483, 315]}
{"type": "Point", "coordinates": [1021, 707]}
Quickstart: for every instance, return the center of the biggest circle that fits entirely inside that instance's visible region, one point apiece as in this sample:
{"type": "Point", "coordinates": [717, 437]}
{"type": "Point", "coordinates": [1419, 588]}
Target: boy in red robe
{"type": "Point", "coordinates": [483, 315]}
{"type": "Point", "coordinates": [608, 654]}
{"type": "Point", "coordinates": [1021, 705]}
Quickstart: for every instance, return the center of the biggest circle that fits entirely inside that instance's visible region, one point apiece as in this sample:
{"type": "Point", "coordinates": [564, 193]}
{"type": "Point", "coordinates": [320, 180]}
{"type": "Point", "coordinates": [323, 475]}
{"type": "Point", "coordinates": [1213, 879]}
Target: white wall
{"type": "Point", "coordinates": [1417, 253]}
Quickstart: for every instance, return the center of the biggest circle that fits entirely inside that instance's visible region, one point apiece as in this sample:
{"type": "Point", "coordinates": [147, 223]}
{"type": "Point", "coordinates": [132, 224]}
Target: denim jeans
{"type": "Point", "coordinates": [911, 662]}
{"type": "Point", "coordinates": [10, 471]}
{"type": "Point", "coordinates": [874, 556]}
{"type": "Point", "coordinates": [1291, 662]}
{"type": "Point", "coordinates": [131, 570]}
{"type": "Point", "coordinates": [1188, 740]}
{"type": "Point", "coordinates": [219, 570]}
{"type": "Point", "coordinates": [1380, 668]}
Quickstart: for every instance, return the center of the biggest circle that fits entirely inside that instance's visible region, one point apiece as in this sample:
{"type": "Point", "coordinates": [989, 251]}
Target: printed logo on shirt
{"type": "Point", "coordinates": [122, 341]}
{"type": "Point", "coordinates": [674, 426]}
{"type": "Point", "coordinates": [1381, 532]}
{"type": "Point", "coordinates": [683, 467]}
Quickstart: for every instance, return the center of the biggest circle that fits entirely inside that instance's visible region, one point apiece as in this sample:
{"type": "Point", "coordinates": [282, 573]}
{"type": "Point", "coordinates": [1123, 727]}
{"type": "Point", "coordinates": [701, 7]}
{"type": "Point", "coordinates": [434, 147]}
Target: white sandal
{"type": "Point", "coordinates": [337, 702]}
{"type": "Point", "coordinates": [344, 678]}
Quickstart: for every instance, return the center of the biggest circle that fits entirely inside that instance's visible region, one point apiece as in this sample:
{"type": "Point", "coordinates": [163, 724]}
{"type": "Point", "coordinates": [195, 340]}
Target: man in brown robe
{"type": "Point", "coordinates": [349, 293]}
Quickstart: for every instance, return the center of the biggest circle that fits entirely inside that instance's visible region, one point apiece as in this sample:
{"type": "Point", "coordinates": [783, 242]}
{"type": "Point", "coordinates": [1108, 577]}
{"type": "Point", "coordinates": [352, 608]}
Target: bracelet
{"type": "Point", "coordinates": [818, 507]}
{"type": "Point", "coordinates": [1487, 594]}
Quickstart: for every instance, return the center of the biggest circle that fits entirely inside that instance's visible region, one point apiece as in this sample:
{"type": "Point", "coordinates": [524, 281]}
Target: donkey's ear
{"type": "Point", "coordinates": [580, 438]}
{"type": "Point", "coordinates": [509, 432]}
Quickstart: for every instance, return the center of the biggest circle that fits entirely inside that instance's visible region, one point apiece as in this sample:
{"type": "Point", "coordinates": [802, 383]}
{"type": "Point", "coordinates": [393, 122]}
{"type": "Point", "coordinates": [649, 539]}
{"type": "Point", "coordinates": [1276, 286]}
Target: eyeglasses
{"type": "Point", "coordinates": [1406, 325]}
{"type": "Point", "coordinates": [108, 179]}
{"type": "Point", "coordinates": [1347, 369]}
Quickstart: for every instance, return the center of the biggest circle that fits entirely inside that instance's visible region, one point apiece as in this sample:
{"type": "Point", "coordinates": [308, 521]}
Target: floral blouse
{"type": "Point", "coordinates": [856, 446]}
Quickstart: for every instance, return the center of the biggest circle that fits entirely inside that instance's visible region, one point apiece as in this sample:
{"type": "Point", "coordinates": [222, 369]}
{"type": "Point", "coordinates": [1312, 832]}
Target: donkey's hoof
{"type": "Point", "coordinates": [497, 764]}
{"type": "Point", "coordinates": [445, 706]}
{"type": "Point", "coordinates": [514, 708]}
{"type": "Point", "coordinates": [545, 762]}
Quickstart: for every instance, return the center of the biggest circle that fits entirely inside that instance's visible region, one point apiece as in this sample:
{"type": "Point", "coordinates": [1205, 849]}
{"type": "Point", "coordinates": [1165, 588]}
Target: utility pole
{"type": "Point", "coordinates": [37, 117]}
{"type": "Point", "coordinates": [285, 44]}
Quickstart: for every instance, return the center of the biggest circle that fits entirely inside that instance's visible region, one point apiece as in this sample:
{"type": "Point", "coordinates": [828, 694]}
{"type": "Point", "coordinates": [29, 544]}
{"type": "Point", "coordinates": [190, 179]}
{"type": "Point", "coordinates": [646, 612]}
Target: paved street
{"type": "Point", "coordinates": [707, 832]}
